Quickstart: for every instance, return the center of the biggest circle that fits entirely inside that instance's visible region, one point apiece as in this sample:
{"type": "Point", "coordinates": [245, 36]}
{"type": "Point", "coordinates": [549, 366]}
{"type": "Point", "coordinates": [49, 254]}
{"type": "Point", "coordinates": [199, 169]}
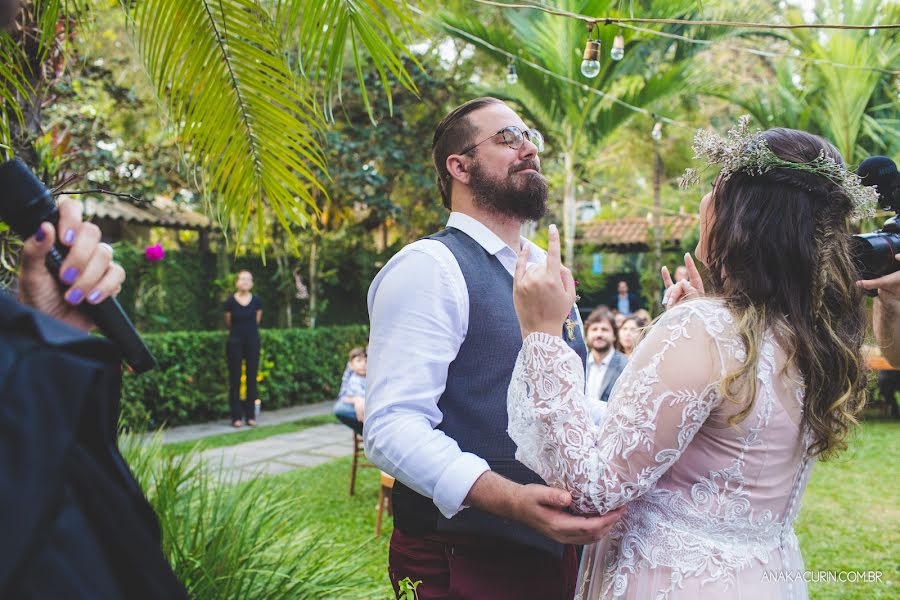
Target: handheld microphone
{"type": "Point", "coordinates": [25, 203]}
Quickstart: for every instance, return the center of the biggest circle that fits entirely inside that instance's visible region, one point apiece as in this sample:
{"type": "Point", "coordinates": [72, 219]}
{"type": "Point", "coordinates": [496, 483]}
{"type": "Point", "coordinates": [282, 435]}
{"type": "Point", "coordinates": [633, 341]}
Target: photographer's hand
{"type": "Point", "coordinates": [886, 313]}
{"type": "Point", "coordinates": [88, 273]}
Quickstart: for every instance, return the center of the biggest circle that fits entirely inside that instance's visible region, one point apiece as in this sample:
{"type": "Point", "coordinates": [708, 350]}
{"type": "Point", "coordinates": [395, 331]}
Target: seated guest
{"type": "Point", "coordinates": [604, 364]}
{"type": "Point", "coordinates": [351, 402]}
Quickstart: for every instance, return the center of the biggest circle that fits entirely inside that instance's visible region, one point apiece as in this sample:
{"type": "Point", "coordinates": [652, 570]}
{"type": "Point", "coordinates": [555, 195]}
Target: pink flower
{"type": "Point", "coordinates": [155, 253]}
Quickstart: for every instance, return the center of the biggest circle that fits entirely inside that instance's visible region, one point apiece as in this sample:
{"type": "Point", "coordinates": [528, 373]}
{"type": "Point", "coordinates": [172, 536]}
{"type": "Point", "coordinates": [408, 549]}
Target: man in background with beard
{"type": "Point", "coordinates": [470, 521]}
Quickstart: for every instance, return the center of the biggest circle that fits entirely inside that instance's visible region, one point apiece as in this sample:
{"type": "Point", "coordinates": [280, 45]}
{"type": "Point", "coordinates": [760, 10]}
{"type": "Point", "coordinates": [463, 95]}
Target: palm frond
{"type": "Point", "coordinates": [243, 116]}
{"type": "Point", "coordinates": [320, 31]}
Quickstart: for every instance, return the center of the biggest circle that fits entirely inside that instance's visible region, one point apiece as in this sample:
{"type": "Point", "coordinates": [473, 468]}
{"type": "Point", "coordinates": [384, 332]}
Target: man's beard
{"type": "Point", "coordinates": [605, 348]}
{"type": "Point", "coordinates": [522, 196]}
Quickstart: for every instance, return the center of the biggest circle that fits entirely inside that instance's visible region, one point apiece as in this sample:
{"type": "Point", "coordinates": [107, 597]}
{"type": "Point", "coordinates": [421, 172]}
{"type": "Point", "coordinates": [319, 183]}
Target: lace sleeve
{"type": "Point", "coordinates": [663, 396]}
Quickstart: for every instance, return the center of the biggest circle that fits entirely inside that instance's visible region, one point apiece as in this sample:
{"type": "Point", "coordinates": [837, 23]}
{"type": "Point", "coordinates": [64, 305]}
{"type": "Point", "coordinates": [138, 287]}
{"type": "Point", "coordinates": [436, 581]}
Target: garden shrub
{"type": "Point", "coordinates": [190, 383]}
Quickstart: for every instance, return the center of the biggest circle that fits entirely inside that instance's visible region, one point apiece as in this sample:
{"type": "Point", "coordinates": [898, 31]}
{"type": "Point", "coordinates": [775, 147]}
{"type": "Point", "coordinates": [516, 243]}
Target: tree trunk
{"type": "Point", "coordinates": [657, 223]}
{"type": "Point", "coordinates": [569, 216]}
{"type": "Point", "coordinates": [313, 280]}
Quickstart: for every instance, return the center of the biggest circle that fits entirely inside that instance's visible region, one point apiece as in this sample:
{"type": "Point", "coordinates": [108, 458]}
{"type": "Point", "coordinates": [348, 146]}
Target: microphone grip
{"type": "Point", "coordinates": [111, 319]}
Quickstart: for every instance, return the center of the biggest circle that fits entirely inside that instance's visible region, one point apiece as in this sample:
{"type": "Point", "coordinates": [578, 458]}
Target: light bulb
{"type": "Point", "coordinates": [511, 76]}
{"type": "Point", "coordinates": [590, 66]}
{"type": "Point", "coordinates": [618, 49]}
{"type": "Point", "coordinates": [656, 134]}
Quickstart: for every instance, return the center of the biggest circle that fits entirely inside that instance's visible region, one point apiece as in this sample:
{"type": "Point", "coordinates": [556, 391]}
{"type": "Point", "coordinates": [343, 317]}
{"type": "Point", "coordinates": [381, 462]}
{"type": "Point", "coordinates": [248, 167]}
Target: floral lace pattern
{"type": "Point", "coordinates": [690, 488]}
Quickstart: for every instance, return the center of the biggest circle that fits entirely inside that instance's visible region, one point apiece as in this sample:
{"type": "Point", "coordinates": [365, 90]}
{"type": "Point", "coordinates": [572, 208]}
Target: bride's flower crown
{"type": "Point", "coordinates": [743, 150]}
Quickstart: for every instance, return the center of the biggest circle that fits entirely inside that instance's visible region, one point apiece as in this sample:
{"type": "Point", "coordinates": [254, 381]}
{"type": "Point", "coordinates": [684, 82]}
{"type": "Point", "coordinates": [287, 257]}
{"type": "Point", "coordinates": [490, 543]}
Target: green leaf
{"type": "Point", "coordinates": [244, 117]}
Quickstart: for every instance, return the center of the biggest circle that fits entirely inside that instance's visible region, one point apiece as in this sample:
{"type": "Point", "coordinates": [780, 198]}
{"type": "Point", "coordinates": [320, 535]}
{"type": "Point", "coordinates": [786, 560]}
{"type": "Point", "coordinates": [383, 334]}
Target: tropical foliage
{"type": "Point", "coordinates": [840, 84]}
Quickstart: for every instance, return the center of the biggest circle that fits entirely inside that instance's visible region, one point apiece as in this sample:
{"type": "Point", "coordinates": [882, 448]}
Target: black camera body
{"type": "Point", "coordinates": [874, 252]}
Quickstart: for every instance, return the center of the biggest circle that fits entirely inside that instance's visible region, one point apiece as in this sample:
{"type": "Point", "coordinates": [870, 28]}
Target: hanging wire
{"type": "Point", "coordinates": [546, 71]}
{"type": "Point", "coordinates": [619, 20]}
{"type": "Point", "coordinates": [756, 52]}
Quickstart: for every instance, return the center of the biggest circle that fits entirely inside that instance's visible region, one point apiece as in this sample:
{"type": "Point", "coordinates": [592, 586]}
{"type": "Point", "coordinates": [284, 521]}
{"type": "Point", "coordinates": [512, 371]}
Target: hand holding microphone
{"type": "Point", "coordinates": [77, 280]}
{"type": "Point", "coordinates": [87, 270]}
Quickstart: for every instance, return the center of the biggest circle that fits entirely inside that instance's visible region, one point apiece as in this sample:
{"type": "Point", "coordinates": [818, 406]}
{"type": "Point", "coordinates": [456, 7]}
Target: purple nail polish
{"type": "Point", "coordinates": [74, 296]}
{"type": "Point", "coordinates": [39, 235]}
{"type": "Point", "coordinates": [69, 236]}
{"type": "Point", "coordinates": [69, 275]}
{"type": "Point", "coordinates": [94, 296]}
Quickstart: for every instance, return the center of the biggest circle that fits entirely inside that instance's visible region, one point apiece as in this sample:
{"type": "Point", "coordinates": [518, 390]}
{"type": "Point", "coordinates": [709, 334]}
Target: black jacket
{"type": "Point", "coordinates": [75, 523]}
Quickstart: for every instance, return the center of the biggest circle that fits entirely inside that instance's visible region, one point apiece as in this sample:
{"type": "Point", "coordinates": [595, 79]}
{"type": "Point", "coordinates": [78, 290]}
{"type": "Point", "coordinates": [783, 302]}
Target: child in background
{"type": "Point", "coordinates": [350, 405]}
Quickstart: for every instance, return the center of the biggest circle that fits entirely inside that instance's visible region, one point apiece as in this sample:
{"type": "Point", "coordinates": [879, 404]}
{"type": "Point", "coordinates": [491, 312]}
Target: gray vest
{"type": "Point", "coordinates": [474, 401]}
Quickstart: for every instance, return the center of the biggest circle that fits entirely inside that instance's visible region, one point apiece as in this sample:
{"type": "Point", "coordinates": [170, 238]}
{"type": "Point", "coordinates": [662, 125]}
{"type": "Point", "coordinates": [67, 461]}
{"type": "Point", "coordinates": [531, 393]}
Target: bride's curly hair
{"type": "Point", "coordinates": [778, 253]}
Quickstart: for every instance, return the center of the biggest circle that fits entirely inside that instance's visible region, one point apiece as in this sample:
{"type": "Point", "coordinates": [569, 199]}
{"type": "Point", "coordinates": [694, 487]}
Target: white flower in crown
{"type": "Point", "coordinates": [747, 151]}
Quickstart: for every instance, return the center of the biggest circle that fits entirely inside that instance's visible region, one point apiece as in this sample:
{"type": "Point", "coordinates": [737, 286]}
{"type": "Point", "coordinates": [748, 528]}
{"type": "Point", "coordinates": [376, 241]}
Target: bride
{"type": "Point", "coordinates": [713, 428]}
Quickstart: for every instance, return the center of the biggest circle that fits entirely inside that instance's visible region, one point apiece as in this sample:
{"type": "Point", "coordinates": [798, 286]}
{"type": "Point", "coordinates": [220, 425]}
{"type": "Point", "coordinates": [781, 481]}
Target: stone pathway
{"type": "Point", "coordinates": [281, 453]}
{"type": "Point", "coordinates": [275, 454]}
{"type": "Point", "coordinates": [185, 433]}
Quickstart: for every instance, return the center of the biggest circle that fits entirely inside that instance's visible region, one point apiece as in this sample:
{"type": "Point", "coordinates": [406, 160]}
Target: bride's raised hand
{"type": "Point", "coordinates": [543, 294]}
{"type": "Point", "coordinates": [685, 288]}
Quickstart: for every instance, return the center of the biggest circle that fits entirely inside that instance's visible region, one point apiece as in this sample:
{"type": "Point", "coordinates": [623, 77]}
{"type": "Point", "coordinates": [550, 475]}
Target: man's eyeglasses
{"type": "Point", "coordinates": [514, 137]}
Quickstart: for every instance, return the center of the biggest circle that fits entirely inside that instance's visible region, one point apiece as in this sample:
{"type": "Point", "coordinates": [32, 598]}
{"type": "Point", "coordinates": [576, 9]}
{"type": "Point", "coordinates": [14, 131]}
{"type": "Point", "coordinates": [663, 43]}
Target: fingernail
{"type": "Point", "coordinates": [552, 228]}
{"type": "Point", "coordinates": [39, 235]}
{"type": "Point", "coordinates": [74, 296]}
{"type": "Point", "coordinates": [69, 275]}
{"type": "Point", "coordinates": [94, 296]}
{"type": "Point", "coordinates": [69, 236]}
{"type": "Point", "coordinates": [562, 497]}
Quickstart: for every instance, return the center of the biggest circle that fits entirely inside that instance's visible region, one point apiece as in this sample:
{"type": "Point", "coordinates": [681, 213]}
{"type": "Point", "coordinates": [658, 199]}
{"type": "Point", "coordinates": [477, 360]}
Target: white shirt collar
{"type": "Point", "coordinates": [489, 240]}
{"type": "Point", "coordinates": [605, 361]}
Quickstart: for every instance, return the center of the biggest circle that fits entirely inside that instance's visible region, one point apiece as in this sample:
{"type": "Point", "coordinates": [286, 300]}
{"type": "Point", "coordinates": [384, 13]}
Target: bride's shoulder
{"type": "Point", "coordinates": [707, 312]}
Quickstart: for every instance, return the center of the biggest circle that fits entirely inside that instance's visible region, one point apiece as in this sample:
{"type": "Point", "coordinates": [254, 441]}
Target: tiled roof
{"type": "Point", "coordinates": [634, 233]}
{"type": "Point", "coordinates": [162, 212]}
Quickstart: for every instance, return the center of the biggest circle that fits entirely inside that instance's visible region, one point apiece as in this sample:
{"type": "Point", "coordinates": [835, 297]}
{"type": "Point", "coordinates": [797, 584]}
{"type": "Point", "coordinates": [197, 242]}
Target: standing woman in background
{"type": "Point", "coordinates": [243, 311]}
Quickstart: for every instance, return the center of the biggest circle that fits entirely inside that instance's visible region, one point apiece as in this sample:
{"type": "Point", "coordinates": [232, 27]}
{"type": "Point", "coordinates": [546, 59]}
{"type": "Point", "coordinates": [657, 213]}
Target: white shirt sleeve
{"type": "Point", "coordinates": [418, 312]}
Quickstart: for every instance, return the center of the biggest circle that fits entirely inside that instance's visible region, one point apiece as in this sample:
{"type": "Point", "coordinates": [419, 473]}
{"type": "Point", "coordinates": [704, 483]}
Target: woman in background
{"type": "Point", "coordinates": [243, 311]}
{"type": "Point", "coordinates": [629, 333]}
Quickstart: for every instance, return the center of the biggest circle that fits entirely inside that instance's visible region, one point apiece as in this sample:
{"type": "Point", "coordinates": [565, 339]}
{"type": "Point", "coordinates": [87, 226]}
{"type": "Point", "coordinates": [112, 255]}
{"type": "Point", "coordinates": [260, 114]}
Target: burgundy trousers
{"type": "Point", "coordinates": [471, 568]}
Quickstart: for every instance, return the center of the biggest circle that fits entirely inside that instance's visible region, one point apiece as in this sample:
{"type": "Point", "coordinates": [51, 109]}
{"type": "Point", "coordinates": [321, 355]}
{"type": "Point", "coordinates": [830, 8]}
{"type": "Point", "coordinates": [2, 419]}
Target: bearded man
{"type": "Point", "coordinates": [470, 521]}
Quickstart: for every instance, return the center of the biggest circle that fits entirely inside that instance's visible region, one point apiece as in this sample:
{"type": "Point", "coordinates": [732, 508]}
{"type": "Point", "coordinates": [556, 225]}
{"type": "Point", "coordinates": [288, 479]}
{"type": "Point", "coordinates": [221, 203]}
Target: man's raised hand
{"type": "Point", "coordinates": [543, 294]}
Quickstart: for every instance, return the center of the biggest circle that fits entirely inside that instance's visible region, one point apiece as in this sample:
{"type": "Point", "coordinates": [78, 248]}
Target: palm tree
{"type": "Point", "coordinates": [855, 108]}
{"type": "Point", "coordinates": [573, 115]}
{"type": "Point", "coordinates": [246, 84]}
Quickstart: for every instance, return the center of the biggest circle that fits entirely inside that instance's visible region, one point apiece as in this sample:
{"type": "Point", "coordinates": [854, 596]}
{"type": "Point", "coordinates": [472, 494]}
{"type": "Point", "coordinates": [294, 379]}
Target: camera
{"type": "Point", "coordinates": [874, 252]}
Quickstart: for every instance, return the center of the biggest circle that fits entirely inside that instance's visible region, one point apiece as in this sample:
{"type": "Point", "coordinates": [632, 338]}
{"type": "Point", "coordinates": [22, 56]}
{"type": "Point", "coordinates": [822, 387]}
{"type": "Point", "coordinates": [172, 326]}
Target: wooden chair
{"type": "Point", "coordinates": [384, 500]}
{"type": "Point", "coordinates": [359, 460]}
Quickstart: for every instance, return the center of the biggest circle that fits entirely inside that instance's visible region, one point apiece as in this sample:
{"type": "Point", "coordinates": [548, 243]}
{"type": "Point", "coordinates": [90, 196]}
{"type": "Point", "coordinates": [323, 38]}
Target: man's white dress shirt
{"type": "Point", "coordinates": [596, 373]}
{"type": "Point", "coordinates": [419, 317]}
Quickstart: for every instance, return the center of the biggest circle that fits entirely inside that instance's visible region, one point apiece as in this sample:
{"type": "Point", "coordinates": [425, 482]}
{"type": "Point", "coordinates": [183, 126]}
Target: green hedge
{"type": "Point", "coordinates": [190, 385]}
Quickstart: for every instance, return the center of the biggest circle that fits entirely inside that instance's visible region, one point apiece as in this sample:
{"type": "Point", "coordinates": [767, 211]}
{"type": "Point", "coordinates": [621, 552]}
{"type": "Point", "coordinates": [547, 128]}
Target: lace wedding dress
{"type": "Point", "coordinates": [709, 507]}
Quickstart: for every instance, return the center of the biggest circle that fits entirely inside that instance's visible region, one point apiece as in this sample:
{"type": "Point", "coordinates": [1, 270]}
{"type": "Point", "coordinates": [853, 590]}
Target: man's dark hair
{"type": "Point", "coordinates": [600, 314]}
{"type": "Point", "coordinates": [452, 135]}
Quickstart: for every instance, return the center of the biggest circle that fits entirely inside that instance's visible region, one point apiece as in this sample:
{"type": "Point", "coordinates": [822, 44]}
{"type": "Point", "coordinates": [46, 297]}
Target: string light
{"type": "Point", "coordinates": [537, 67]}
{"type": "Point", "coordinates": [620, 20]}
{"type": "Point", "coordinates": [590, 66]}
{"type": "Point", "coordinates": [511, 76]}
{"type": "Point", "coordinates": [623, 22]}
{"type": "Point", "coordinates": [618, 49]}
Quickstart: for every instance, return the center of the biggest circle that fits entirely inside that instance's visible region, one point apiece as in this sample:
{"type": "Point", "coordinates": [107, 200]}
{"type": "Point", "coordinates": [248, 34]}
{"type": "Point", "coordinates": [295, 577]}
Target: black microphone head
{"type": "Point", "coordinates": [881, 172]}
{"type": "Point", "coordinates": [25, 202]}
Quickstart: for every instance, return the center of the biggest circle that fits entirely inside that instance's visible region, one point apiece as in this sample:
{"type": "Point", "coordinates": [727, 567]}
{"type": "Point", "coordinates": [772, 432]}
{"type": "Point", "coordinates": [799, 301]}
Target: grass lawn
{"type": "Point", "coordinates": [248, 434]}
{"type": "Point", "coordinates": [849, 520]}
